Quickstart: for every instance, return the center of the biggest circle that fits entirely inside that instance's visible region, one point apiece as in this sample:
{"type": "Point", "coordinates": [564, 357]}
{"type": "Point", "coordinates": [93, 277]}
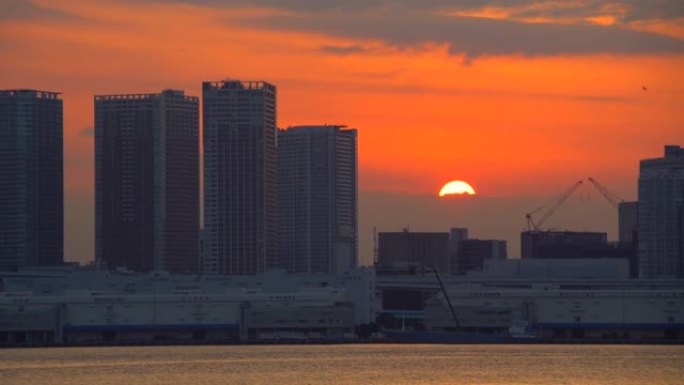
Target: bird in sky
{"type": "Point", "coordinates": [644, 88]}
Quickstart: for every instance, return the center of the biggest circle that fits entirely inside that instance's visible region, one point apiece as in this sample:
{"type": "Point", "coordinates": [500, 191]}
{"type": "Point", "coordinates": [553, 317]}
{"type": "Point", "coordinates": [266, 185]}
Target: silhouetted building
{"type": "Point", "coordinates": [147, 181]}
{"type": "Point", "coordinates": [628, 231]}
{"type": "Point", "coordinates": [661, 215]}
{"type": "Point", "coordinates": [240, 182]}
{"type": "Point", "coordinates": [31, 183]}
{"type": "Point", "coordinates": [409, 250]}
{"type": "Point", "coordinates": [317, 199]}
{"type": "Point", "coordinates": [561, 244]}
{"type": "Point", "coordinates": [576, 245]}
{"type": "Point", "coordinates": [628, 222]}
{"type": "Point", "coordinates": [202, 247]}
{"type": "Point", "coordinates": [558, 269]}
{"type": "Point", "coordinates": [456, 235]}
{"type": "Point", "coordinates": [473, 253]}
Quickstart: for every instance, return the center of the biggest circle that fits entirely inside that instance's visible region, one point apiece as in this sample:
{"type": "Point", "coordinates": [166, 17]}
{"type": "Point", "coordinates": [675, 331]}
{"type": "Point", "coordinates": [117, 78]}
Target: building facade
{"type": "Point", "coordinates": [317, 199]}
{"type": "Point", "coordinates": [456, 235]}
{"type": "Point", "coordinates": [661, 215]}
{"type": "Point", "coordinates": [413, 250]}
{"type": "Point", "coordinates": [240, 180]}
{"type": "Point", "coordinates": [472, 254]}
{"type": "Point", "coordinates": [628, 222]}
{"type": "Point", "coordinates": [562, 244]}
{"type": "Point", "coordinates": [578, 245]}
{"type": "Point", "coordinates": [86, 317]}
{"type": "Point", "coordinates": [31, 182]}
{"type": "Point", "coordinates": [147, 182]}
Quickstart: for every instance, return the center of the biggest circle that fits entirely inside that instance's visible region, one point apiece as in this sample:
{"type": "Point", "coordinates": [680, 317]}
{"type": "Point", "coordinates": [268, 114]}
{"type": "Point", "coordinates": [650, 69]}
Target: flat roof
{"type": "Point", "coordinates": [37, 93]}
{"type": "Point", "coordinates": [240, 84]}
{"type": "Point", "coordinates": [144, 96]}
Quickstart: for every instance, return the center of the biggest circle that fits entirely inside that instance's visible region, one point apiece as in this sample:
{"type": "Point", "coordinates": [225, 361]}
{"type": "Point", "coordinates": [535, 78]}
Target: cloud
{"type": "Point", "coordinates": [342, 49]}
{"type": "Point", "coordinates": [354, 85]}
{"type": "Point", "coordinates": [631, 10]}
{"type": "Point", "coordinates": [27, 10]}
{"type": "Point", "coordinates": [477, 36]}
{"type": "Point", "coordinates": [660, 9]}
{"type": "Point", "coordinates": [559, 12]}
{"type": "Point", "coordinates": [481, 27]}
{"type": "Point", "coordinates": [470, 28]}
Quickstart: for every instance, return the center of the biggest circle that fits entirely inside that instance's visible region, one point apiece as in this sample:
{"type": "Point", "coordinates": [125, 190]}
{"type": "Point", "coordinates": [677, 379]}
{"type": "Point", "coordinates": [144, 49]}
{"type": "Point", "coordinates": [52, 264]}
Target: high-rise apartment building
{"type": "Point", "coordinates": [240, 181]}
{"type": "Point", "coordinates": [661, 215]}
{"type": "Point", "coordinates": [31, 183]}
{"type": "Point", "coordinates": [317, 199]}
{"type": "Point", "coordinates": [147, 181]}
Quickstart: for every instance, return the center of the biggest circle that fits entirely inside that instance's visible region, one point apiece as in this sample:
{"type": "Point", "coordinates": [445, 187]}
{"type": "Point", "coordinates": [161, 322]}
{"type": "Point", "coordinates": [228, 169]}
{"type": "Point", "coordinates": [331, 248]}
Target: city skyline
{"type": "Point", "coordinates": [582, 207]}
{"type": "Point", "coordinates": [342, 191]}
{"type": "Point", "coordinates": [518, 100]}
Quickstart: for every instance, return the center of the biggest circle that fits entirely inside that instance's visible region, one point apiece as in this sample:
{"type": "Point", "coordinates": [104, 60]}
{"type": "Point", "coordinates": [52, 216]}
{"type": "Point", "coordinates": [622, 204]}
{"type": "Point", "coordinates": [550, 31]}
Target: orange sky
{"type": "Point", "coordinates": [513, 121]}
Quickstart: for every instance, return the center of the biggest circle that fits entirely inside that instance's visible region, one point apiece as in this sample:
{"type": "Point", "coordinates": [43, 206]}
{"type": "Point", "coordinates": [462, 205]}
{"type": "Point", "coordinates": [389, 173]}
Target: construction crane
{"type": "Point", "coordinates": [611, 197]}
{"type": "Point", "coordinates": [446, 296]}
{"type": "Point", "coordinates": [550, 207]}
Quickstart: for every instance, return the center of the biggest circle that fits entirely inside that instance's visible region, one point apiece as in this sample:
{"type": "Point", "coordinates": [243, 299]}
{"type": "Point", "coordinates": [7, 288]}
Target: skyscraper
{"type": "Point", "coordinates": [661, 215]}
{"type": "Point", "coordinates": [240, 196]}
{"type": "Point", "coordinates": [147, 181]}
{"type": "Point", "coordinates": [31, 183]}
{"type": "Point", "coordinates": [317, 199]}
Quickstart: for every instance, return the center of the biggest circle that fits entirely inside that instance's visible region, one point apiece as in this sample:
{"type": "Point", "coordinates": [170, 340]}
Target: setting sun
{"type": "Point", "coordinates": [457, 187]}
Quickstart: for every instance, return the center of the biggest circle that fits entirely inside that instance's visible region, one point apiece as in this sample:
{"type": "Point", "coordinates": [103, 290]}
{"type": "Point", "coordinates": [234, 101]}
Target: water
{"type": "Point", "coordinates": [346, 364]}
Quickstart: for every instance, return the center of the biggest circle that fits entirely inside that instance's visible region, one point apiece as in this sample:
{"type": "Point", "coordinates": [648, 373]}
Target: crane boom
{"type": "Point", "coordinates": [611, 197]}
{"type": "Point", "coordinates": [446, 295]}
{"type": "Point", "coordinates": [555, 204]}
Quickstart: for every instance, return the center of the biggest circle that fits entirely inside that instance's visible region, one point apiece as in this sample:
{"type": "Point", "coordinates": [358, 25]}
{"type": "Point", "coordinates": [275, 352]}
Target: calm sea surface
{"type": "Point", "coordinates": [346, 364]}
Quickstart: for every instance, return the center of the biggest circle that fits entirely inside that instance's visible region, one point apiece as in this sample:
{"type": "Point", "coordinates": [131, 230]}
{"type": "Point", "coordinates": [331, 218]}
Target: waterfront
{"type": "Point", "coordinates": [376, 364]}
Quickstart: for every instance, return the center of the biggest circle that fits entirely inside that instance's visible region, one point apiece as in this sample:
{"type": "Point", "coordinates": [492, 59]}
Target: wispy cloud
{"type": "Point", "coordinates": [16, 10]}
{"type": "Point", "coordinates": [662, 17]}
{"type": "Point", "coordinates": [469, 27]}
{"type": "Point", "coordinates": [479, 36]}
{"type": "Point", "coordinates": [343, 49]}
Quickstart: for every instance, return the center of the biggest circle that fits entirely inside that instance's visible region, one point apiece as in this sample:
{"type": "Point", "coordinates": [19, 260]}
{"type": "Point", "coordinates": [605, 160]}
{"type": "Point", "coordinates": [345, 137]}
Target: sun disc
{"type": "Point", "coordinates": [457, 187]}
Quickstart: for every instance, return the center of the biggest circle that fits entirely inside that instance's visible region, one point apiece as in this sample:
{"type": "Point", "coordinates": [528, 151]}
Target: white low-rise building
{"type": "Point", "coordinates": [234, 315]}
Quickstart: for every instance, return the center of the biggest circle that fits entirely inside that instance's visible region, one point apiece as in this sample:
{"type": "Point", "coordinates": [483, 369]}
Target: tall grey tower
{"type": "Point", "coordinates": [240, 196]}
{"type": "Point", "coordinates": [31, 183]}
{"type": "Point", "coordinates": [317, 199]}
{"type": "Point", "coordinates": [661, 215]}
{"type": "Point", "coordinates": [147, 181]}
